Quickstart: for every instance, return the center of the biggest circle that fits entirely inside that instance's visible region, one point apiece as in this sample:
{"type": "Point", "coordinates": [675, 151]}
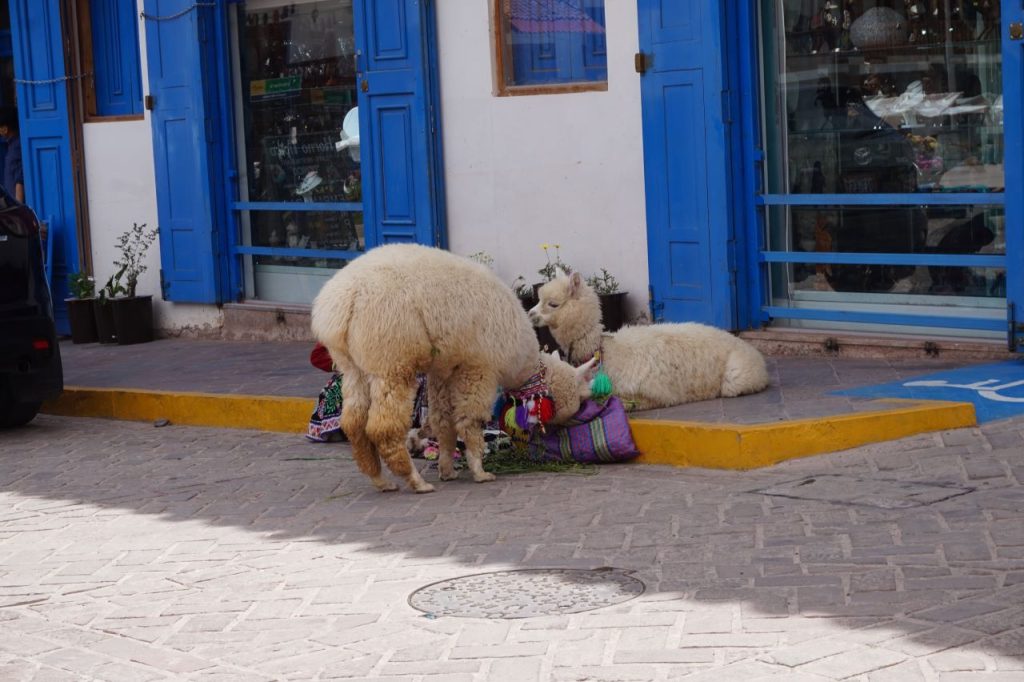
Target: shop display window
{"type": "Point", "coordinates": [296, 121]}
{"type": "Point", "coordinates": [886, 97]}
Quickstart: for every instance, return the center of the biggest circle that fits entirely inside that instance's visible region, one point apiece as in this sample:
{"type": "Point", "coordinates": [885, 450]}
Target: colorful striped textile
{"type": "Point", "coordinates": [598, 433]}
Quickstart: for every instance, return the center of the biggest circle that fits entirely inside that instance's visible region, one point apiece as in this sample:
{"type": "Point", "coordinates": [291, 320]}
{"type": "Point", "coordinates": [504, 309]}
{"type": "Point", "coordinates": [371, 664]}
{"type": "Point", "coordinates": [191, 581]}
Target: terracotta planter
{"type": "Point", "coordinates": [613, 310]}
{"type": "Point", "coordinates": [104, 314]}
{"type": "Point", "coordinates": [82, 319]}
{"type": "Point", "coordinates": [133, 319]}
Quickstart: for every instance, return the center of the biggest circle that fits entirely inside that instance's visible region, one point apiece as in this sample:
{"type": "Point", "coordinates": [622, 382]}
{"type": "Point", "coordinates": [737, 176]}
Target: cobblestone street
{"type": "Point", "coordinates": [129, 552]}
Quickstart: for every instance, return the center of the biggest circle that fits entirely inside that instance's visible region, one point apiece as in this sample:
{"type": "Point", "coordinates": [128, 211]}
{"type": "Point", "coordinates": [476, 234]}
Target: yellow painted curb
{"type": "Point", "coordinates": [266, 413]}
{"type": "Point", "coordinates": [748, 446]}
{"type": "Point", "coordinates": [684, 444]}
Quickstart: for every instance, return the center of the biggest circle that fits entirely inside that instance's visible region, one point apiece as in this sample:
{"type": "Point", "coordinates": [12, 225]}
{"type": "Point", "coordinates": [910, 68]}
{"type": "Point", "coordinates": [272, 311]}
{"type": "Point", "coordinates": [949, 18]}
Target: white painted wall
{"type": "Point", "coordinates": [526, 170]}
{"type": "Point", "coordinates": [121, 186]}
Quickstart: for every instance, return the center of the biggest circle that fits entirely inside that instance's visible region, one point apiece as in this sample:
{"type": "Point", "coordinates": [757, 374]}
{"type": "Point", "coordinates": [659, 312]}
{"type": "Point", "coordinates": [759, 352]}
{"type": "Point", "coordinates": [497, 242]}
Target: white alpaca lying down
{"type": "Point", "coordinates": [402, 309]}
{"type": "Point", "coordinates": [652, 366]}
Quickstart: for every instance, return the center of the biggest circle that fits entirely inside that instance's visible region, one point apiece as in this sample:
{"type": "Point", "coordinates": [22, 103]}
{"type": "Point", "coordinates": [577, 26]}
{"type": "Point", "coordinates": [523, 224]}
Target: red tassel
{"type": "Point", "coordinates": [547, 409]}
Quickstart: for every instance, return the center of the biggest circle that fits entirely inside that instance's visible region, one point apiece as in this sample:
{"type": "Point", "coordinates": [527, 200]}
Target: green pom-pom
{"type": "Point", "coordinates": [601, 386]}
{"type": "Point", "coordinates": [510, 420]}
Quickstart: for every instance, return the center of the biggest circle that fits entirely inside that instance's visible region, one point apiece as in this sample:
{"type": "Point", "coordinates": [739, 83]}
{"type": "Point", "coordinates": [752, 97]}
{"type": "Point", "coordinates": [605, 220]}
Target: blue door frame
{"type": "Point", "coordinates": [403, 190]}
{"type": "Point", "coordinates": [750, 201]}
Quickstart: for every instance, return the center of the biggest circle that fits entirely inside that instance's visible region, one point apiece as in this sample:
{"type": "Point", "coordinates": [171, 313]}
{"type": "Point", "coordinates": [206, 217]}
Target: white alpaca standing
{"type": "Point", "coordinates": [403, 309]}
{"type": "Point", "coordinates": [651, 366]}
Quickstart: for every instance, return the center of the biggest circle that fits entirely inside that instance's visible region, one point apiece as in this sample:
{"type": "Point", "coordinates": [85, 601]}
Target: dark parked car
{"type": "Point", "coordinates": [30, 368]}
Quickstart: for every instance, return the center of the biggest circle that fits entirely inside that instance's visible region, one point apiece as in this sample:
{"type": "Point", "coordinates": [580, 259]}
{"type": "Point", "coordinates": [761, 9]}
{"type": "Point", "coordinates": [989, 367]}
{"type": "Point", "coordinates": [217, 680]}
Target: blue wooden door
{"type": "Point", "coordinates": [686, 161]}
{"type": "Point", "coordinates": [398, 182]}
{"type": "Point", "coordinates": [45, 137]}
{"type": "Point", "coordinates": [179, 64]}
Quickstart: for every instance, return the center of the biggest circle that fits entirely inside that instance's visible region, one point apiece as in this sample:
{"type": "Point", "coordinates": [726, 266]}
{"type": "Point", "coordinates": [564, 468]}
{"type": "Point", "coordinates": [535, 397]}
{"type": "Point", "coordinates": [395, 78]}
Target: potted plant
{"type": "Point", "coordinates": [550, 269]}
{"type": "Point", "coordinates": [528, 294]}
{"type": "Point", "coordinates": [613, 301]}
{"type": "Point", "coordinates": [133, 315]}
{"type": "Point", "coordinates": [103, 311]}
{"type": "Point", "coordinates": [80, 308]}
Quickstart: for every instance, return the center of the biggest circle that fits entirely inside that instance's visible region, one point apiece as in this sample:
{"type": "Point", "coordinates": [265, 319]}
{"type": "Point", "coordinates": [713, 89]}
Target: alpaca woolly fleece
{"type": "Point", "coordinates": [652, 366]}
{"type": "Point", "coordinates": [402, 309]}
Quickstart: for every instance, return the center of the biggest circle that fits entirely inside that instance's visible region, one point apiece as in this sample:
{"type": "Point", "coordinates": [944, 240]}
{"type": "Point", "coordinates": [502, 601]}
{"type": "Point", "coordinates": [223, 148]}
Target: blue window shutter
{"type": "Point", "coordinates": [397, 165]}
{"type": "Point", "coordinates": [115, 52]}
{"type": "Point", "coordinates": [45, 137]}
{"type": "Point", "coordinates": [183, 150]}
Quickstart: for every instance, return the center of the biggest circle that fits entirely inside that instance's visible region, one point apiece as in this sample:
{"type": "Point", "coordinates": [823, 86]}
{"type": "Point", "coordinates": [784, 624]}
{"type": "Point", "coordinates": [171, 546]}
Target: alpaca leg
{"type": "Point", "coordinates": [745, 372]}
{"type": "Point", "coordinates": [390, 418]}
{"type": "Point", "coordinates": [443, 427]}
{"type": "Point", "coordinates": [472, 396]}
{"type": "Point", "coordinates": [355, 409]}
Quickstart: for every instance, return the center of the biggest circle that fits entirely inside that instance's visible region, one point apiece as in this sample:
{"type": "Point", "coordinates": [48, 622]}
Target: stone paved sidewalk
{"type": "Point", "coordinates": [129, 552]}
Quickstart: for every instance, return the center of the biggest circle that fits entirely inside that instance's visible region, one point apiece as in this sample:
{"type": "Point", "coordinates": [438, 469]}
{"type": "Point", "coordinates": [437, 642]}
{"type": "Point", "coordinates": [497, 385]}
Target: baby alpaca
{"type": "Point", "coordinates": [652, 366]}
{"type": "Point", "coordinates": [402, 309]}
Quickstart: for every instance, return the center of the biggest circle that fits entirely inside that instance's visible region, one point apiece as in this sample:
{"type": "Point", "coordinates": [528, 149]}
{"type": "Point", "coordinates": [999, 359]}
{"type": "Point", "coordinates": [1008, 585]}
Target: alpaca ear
{"type": "Point", "coordinates": [586, 372]}
{"type": "Point", "coordinates": [575, 283]}
{"type": "Point", "coordinates": [556, 355]}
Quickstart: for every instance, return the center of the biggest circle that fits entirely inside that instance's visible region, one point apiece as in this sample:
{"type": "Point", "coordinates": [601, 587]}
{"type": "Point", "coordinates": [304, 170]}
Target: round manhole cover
{"type": "Point", "coordinates": [527, 593]}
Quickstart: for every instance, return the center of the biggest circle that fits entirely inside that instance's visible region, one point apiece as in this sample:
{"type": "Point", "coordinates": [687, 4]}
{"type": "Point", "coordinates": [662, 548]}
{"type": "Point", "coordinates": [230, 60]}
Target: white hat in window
{"type": "Point", "coordinates": [309, 183]}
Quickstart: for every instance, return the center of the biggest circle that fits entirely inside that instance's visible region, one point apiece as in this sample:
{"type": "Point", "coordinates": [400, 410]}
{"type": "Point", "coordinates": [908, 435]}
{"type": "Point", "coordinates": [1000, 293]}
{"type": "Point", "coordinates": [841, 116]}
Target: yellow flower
{"type": "Point", "coordinates": [545, 246]}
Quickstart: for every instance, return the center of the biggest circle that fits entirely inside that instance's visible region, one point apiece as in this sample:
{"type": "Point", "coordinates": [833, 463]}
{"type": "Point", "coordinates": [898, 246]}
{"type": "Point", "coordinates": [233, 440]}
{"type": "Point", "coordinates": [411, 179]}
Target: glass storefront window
{"type": "Point", "coordinates": [295, 92]}
{"type": "Point", "coordinates": [938, 230]}
{"type": "Point", "coordinates": [883, 97]}
{"type": "Point", "coordinates": [905, 117]}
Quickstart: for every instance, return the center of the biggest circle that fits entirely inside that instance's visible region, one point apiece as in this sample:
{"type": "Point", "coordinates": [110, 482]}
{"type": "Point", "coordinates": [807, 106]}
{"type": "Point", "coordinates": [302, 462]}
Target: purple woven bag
{"type": "Point", "coordinates": [596, 434]}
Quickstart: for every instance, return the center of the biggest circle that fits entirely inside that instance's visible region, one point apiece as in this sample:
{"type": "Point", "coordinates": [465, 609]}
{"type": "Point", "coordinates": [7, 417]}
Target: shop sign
{"type": "Point", "coordinates": [275, 88]}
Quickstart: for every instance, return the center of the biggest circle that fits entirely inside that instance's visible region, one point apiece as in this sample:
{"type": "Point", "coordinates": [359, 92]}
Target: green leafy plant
{"type": "Point", "coordinates": [552, 267]}
{"type": "Point", "coordinates": [113, 288]}
{"type": "Point", "coordinates": [604, 283]}
{"type": "Point", "coordinates": [81, 285]}
{"type": "Point", "coordinates": [133, 245]}
{"type": "Point", "coordinates": [483, 258]}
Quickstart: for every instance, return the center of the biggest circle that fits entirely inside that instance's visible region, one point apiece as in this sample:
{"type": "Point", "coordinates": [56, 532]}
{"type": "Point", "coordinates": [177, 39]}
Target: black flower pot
{"type": "Point", "coordinates": [133, 319]}
{"type": "Point", "coordinates": [103, 311]}
{"type": "Point", "coordinates": [82, 320]}
{"type": "Point", "coordinates": [613, 310]}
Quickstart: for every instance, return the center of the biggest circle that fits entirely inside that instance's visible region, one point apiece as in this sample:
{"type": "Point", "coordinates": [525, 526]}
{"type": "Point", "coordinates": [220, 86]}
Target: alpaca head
{"type": "Point", "coordinates": [569, 385]}
{"type": "Point", "coordinates": [569, 307]}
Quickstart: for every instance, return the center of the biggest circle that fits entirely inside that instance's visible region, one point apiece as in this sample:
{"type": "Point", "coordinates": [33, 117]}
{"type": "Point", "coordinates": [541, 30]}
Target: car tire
{"type": "Point", "coordinates": [19, 414]}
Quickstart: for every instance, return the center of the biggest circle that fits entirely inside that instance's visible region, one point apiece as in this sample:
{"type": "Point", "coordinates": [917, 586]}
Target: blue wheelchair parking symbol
{"type": "Point", "coordinates": [996, 390]}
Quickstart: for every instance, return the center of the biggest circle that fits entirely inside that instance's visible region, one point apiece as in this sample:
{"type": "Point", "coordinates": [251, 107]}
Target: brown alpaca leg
{"type": "Point", "coordinates": [472, 392]}
{"type": "Point", "coordinates": [355, 408]}
{"type": "Point", "coordinates": [439, 416]}
{"type": "Point", "coordinates": [390, 418]}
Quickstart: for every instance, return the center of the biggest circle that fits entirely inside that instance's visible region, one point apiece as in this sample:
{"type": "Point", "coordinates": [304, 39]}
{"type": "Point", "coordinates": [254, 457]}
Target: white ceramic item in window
{"type": "Point", "coordinates": [350, 134]}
